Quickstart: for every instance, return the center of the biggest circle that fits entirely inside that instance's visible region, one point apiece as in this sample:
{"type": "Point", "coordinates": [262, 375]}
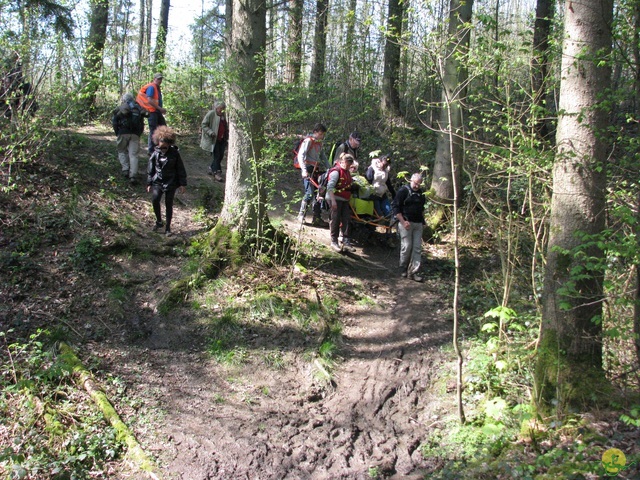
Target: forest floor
{"type": "Point", "coordinates": [256, 419]}
{"type": "Point", "coordinates": [270, 409]}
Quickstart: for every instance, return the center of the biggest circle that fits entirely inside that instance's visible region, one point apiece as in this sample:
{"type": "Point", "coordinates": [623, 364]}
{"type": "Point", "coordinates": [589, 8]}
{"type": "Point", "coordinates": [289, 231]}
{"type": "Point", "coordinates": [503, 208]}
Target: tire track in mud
{"type": "Point", "coordinates": [375, 416]}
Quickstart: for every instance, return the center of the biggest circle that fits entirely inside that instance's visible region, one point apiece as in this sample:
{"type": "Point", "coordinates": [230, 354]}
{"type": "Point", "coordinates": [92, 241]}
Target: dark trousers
{"type": "Point", "coordinates": [340, 217]}
{"type": "Point", "coordinates": [168, 204]}
{"type": "Point", "coordinates": [155, 120]}
{"type": "Point", "coordinates": [218, 154]}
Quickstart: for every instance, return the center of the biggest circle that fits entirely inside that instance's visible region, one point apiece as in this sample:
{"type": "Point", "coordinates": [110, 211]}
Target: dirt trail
{"type": "Point", "coordinates": [258, 423]}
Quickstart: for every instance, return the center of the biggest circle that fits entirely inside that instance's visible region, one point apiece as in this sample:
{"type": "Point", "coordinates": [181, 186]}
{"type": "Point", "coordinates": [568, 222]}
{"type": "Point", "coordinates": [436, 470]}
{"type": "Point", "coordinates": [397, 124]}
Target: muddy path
{"type": "Point", "coordinates": [249, 421]}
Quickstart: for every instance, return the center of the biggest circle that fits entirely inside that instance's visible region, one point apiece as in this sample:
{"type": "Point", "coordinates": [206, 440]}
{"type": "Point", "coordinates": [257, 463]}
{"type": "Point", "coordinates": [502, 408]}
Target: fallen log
{"type": "Point", "coordinates": [84, 379]}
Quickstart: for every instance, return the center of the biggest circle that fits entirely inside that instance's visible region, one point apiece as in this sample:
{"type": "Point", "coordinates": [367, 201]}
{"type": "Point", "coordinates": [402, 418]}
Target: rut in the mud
{"type": "Point", "coordinates": [372, 418]}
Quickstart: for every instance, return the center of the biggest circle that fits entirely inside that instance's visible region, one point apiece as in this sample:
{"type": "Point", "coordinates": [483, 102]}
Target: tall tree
{"type": "Point", "coordinates": [161, 37]}
{"type": "Point", "coordinates": [244, 211]}
{"type": "Point", "coordinates": [319, 44]}
{"type": "Point", "coordinates": [390, 94]}
{"type": "Point", "coordinates": [454, 75]}
{"type": "Point", "coordinates": [93, 54]}
{"type": "Point", "coordinates": [570, 352]}
{"type": "Point", "coordinates": [141, 29]}
{"type": "Point", "coordinates": [545, 11]}
{"type": "Point", "coordinates": [294, 45]}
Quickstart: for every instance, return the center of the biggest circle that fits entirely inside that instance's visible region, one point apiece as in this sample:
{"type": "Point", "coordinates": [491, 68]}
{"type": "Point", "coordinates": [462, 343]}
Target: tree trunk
{"type": "Point", "coordinates": [161, 37]}
{"type": "Point", "coordinates": [348, 52]}
{"type": "Point", "coordinates": [319, 44]}
{"type": "Point", "coordinates": [636, 58]}
{"type": "Point", "coordinates": [149, 21]}
{"type": "Point", "coordinates": [92, 63]}
{"type": "Point", "coordinates": [294, 47]}
{"type": "Point", "coordinates": [569, 366]}
{"type": "Point", "coordinates": [450, 144]}
{"type": "Point", "coordinates": [390, 77]}
{"type": "Point", "coordinates": [141, 37]}
{"type": "Point", "coordinates": [545, 11]}
{"type": "Point", "coordinates": [244, 211]}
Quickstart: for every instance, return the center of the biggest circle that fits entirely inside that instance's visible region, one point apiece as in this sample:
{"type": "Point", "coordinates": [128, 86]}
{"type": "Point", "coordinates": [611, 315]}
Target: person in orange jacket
{"type": "Point", "coordinates": [150, 98]}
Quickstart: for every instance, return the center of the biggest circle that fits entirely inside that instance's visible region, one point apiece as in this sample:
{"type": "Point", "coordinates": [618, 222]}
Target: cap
{"type": "Point", "coordinates": [356, 136]}
{"type": "Point", "coordinates": [157, 75]}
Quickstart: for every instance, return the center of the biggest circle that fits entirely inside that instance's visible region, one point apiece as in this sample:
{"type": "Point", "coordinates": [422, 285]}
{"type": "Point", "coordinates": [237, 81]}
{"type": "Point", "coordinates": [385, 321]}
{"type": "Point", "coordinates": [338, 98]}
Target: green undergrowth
{"type": "Point", "coordinates": [60, 435]}
{"type": "Point", "coordinates": [503, 436]}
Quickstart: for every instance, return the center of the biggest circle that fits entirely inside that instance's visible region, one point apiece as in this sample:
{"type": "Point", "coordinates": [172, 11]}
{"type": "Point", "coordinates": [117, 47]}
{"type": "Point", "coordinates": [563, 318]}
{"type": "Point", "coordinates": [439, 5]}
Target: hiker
{"type": "Point", "coordinates": [408, 208]}
{"type": "Point", "coordinates": [165, 175]}
{"type": "Point", "coordinates": [338, 196]}
{"type": "Point", "coordinates": [128, 124]}
{"type": "Point", "coordinates": [150, 98]}
{"type": "Point", "coordinates": [378, 176]}
{"type": "Point", "coordinates": [214, 137]}
{"type": "Point", "coordinates": [360, 187]}
{"type": "Point", "coordinates": [312, 162]}
{"type": "Point", "coordinates": [351, 145]}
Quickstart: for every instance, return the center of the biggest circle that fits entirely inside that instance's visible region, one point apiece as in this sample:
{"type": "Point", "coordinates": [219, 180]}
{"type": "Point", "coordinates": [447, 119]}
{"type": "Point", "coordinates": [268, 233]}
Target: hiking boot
{"type": "Point", "coordinates": [318, 222]}
{"type": "Point", "coordinates": [336, 247]}
{"type": "Point", "coordinates": [168, 233]}
{"type": "Point", "coordinates": [403, 272]}
{"type": "Point", "coordinates": [416, 278]}
{"type": "Point", "coordinates": [158, 226]}
{"type": "Point", "coordinates": [209, 171]}
{"type": "Point", "coordinates": [133, 181]}
{"type": "Point", "coordinates": [217, 176]}
{"type": "Point", "coordinates": [347, 246]}
{"type": "Point", "coordinates": [125, 173]}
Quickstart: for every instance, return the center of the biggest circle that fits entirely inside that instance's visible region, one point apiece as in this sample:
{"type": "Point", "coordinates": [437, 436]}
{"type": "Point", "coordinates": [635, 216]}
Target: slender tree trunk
{"type": "Point", "coordinates": [390, 77]}
{"type": "Point", "coordinates": [569, 364]}
{"type": "Point", "coordinates": [349, 47]}
{"type": "Point", "coordinates": [161, 37]}
{"type": "Point", "coordinates": [294, 47]}
{"type": "Point", "coordinates": [545, 11]}
{"type": "Point", "coordinates": [244, 211]}
{"type": "Point", "coordinates": [149, 21]}
{"type": "Point", "coordinates": [636, 57]}
{"type": "Point", "coordinates": [142, 31]}
{"type": "Point", "coordinates": [92, 63]}
{"type": "Point", "coordinates": [454, 91]}
{"type": "Point", "coordinates": [319, 44]}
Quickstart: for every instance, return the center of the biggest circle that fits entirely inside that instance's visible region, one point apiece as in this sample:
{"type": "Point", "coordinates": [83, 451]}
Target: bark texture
{"type": "Point", "coordinates": [451, 128]}
{"type": "Point", "coordinates": [244, 204]}
{"type": "Point", "coordinates": [570, 357]}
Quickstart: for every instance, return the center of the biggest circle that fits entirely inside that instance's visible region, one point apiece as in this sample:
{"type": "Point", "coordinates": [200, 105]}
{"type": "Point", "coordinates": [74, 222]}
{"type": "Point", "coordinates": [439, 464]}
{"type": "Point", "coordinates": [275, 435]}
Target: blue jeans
{"type": "Point", "coordinates": [382, 206]}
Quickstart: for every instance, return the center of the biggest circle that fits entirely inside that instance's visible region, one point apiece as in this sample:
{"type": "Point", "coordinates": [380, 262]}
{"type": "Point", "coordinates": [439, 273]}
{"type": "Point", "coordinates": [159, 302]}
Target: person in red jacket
{"type": "Point", "coordinates": [150, 98]}
{"type": "Point", "coordinates": [338, 195]}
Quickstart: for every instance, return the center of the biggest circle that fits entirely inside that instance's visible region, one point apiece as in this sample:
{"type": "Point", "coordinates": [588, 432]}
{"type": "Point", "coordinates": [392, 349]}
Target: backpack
{"type": "Point", "coordinates": [323, 179]}
{"type": "Point", "coordinates": [130, 117]}
{"type": "Point", "coordinates": [333, 151]}
{"type": "Point", "coordinates": [296, 149]}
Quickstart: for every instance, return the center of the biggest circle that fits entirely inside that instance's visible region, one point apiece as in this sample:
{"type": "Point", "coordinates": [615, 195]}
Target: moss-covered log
{"type": "Point", "coordinates": [85, 380]}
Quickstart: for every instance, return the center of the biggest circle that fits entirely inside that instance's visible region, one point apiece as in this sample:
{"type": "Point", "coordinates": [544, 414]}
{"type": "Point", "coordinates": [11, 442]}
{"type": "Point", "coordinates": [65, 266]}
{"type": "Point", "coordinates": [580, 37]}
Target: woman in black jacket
{"type": "Point", "coordinates": [165, 174]}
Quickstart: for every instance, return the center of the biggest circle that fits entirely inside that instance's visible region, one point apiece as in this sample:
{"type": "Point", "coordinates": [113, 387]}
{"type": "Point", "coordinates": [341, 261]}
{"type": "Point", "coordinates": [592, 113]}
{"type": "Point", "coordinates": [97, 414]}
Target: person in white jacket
{"type": "Point", "coordinates": [378, 176]}
{"type": "Point", "coordinates": [214, 137]}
